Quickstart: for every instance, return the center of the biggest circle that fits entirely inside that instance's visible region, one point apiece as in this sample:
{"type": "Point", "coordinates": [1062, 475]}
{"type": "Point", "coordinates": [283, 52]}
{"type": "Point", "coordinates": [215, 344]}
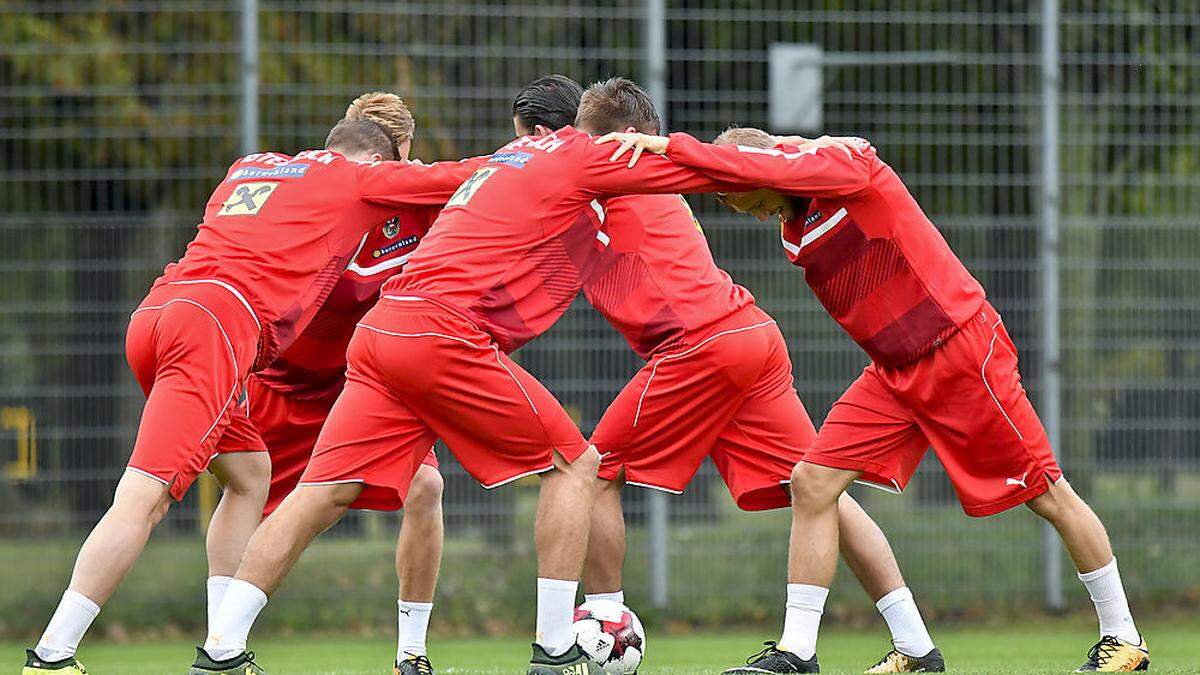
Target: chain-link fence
{"type": "Point", "coordinates": [116, 118]}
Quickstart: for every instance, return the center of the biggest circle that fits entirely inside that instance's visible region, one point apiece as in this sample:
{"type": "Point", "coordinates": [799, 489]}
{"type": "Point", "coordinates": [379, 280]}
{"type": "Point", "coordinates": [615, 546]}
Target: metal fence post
{"type": "Point", "coordinates": [656, 86]}
{"type": "Point", "coordinates": [1051, 292]}
{"type": "Point", "coordinates": [249, 52]}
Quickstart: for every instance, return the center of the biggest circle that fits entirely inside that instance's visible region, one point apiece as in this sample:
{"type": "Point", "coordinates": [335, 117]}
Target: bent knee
{"type": "Point", "coordinates": [585, 466]}
{"type": "Point", "coordinates": [425, 493]}
{"type": "Point", "coordinates": [246, 473]}
{"type": "Point", "coordinates": [813, 486]}
{"type": "Point", "coordinates": [1056, 502]}
{"type": "Point", "coordinates": [337, 496]}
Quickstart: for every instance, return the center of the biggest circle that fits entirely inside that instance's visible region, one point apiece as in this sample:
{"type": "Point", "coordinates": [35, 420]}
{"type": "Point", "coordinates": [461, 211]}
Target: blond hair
{"type": "Point", "coordinates": [388, 111]}
{"type": "Point", "coordinates": [748, 136]}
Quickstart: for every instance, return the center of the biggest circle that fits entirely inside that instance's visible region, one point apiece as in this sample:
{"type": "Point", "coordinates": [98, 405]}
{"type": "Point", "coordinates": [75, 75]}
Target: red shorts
{"type": "Point", "coordinates": [729, 396]}
{"type": "Point", "coordinates": [191, 347]}
{"type": "Point", "coordinates": [289, 426]}
{"type": "Point", "coordinates": [966, 400]}
{"type": "Point", "coordinates": [417, 372]}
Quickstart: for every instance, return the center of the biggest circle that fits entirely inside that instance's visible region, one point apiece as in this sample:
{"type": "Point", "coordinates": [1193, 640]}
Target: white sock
{"type": "Point", "coordinates": [216, 591]}
{"type": "Point", "coordinates": [615, 596]}
{"type": "Point", "coordinates": [71, 620]}
{"type": "Point", "coordinates": [909, 634]}
{"type": "Point", "coordinates": [805, 604]}
{"type": "Point", "coordinates": [413, 625]}
{"type": "Point", "coordinates": [235, 617]}
{"type": "Point", "coordinates": [555, 614]}
{"type": "Point", "coordinates": [1104, 585]}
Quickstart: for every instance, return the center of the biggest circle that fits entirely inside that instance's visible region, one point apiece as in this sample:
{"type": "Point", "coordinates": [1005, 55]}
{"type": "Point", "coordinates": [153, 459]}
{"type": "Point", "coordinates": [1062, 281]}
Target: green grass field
{"type": "Point", "coordinates": [1043, 647]}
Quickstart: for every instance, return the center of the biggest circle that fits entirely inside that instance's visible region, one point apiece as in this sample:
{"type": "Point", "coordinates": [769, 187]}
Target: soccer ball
{"type": "Point", "coordinates": [610, 633]}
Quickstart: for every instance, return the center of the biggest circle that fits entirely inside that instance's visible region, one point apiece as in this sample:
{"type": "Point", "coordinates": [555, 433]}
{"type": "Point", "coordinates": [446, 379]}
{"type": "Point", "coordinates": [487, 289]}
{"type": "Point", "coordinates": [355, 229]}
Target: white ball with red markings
{"type": "Point", "coordinates": [610, 633]}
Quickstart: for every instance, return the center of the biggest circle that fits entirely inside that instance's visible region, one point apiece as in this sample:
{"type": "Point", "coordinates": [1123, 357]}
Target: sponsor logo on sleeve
{"type": "Point", "coordinates": [514, 159]}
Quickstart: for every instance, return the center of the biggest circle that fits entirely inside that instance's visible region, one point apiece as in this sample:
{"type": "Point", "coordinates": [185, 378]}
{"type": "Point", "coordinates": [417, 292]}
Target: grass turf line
{"type": "Point", "coordinates": [1056, 647]}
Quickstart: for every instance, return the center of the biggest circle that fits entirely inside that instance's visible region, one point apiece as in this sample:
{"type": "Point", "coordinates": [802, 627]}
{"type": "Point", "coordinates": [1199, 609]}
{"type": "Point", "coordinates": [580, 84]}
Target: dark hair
{"type": "Point", "coordinates": [615, 105]}
{"type": "Point", "coordinates": [550, 101]}
{"type": "Point", "coordinates": [360, 136]}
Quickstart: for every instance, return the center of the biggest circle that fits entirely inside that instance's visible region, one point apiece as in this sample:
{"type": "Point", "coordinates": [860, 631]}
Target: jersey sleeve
{"type": "Point", "coordinates": [821, 172]}
{"type": "Point", "coordinates": [413, 184]}
{"type": "Point", "coordinates": [653, 174]}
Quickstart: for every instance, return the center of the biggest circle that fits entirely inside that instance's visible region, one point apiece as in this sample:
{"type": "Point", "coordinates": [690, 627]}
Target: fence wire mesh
{"type": "Point", "coordinates": [118, 117]}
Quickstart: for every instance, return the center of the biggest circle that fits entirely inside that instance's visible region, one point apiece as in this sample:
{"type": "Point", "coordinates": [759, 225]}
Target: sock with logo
{"type": "Point", "coordinates": [555, 614]}
{"type": "Point", "coordinates": [805, 605]}
{"type": "Point", "coordinates": [235, 617]}
{"type": "Point", "coordinates": [1112, 607]}
{"type": "Point", "coordinates": [71, 620]}
{"type": "Point", "coordinates": [413, 625]}
{"type": "Point", "coordinates": [909, 634]}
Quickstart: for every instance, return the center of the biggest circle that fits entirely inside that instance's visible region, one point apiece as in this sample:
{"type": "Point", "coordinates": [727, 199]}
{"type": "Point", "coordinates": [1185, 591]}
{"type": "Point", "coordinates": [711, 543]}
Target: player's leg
{"type": "Point", "coordinates": [868, 435]}
{"type": "Point", "coordinates": [602, 569]}
{"type": "Point", "coordinates": [364, 457]}
{"type": "Point", "coordinates": [869, 556]}
{"type": "Point", "coordinates": [418, 559]}
{"type": "Point", "coordinates": [244, 478]}
{"type": "Point", "coordinates": [182, 360]}
{"type": "Point", "coordinates": [1008, 461]}
{"type": "Point", "coordinates": [560, 537]}
{"type": "Point", "coordinates": [501, 424]}
{"type": "Point", "coordinates": [105, 558]}
{"type": "Point", "coordinates": [1088, 545]}
{"type": "Point", "coordinates": [270, 555]}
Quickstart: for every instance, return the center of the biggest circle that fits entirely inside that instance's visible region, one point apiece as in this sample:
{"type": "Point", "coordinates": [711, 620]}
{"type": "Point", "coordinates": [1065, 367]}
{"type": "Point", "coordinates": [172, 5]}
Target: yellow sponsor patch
{"type": "Point", "coordinates": [247, 199]}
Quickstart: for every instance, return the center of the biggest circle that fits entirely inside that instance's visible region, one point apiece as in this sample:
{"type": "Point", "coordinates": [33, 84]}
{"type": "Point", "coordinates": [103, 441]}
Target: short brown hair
{"type": "Point", "coordinates": [748, 136]}
{"type": "Point", "coordinates": [615, 105]}
{"type": "Point", "coordinates": [388, 111]}
{"type": "Point", "coordinates": [353, 137]}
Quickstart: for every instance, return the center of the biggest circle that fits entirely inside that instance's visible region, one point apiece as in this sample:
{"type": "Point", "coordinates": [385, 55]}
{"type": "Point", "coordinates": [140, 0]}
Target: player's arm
{"type": "Point", "coordinates": [654, 174]}
{"type": "Point", "coordinates": [825, 167]}
{"type": "Point", "coordinates": [413, 183]}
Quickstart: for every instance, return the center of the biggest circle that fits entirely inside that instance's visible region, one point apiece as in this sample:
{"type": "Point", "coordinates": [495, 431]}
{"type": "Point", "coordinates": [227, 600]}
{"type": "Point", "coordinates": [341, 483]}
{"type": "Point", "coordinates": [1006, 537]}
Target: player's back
{"type": "Point", "coordinates": [510, 247]}
{"type": "Point", "coordinates": [881, 268]}
{"type": "Point", "coordinates": [279, 230]}
{"type": "Point", "coordinates": [657, 281]}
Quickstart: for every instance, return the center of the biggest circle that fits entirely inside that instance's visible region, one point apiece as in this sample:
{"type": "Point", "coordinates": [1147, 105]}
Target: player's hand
{"type": "Point", "coordinates": [639, 143]}
{"type": "Point", "coordinates": [811, 144]}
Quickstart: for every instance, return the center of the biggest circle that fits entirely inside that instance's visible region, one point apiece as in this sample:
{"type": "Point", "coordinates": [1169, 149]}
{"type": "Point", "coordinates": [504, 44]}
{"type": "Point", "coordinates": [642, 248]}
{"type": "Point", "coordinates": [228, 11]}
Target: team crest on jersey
{"type": "Point", "coordinates": [391, 228]}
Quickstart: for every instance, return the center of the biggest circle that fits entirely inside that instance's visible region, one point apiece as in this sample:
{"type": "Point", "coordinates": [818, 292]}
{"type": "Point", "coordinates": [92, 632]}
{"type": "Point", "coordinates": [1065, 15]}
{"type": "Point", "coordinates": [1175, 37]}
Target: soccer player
{"type": "Point", "coordinates": [277, 231]}
{"type": "Point", "coordinates": [290, 400]}
{"type": "Point", "coordinates": [717, 380]}
{"type": "Point", "coordinates": [943, 372]}
{"type": "Point", "coordinates": [485, 280]}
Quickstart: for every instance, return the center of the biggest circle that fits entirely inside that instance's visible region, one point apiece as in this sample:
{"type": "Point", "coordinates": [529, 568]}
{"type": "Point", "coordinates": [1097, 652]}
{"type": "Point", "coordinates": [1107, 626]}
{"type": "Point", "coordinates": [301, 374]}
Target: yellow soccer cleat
{"type": "Point", "coordinates": [896, 662]}
{"type": "Point", "coordinates": [35, 665]}
{"type": "Point", "coordinates": [1114, 655]}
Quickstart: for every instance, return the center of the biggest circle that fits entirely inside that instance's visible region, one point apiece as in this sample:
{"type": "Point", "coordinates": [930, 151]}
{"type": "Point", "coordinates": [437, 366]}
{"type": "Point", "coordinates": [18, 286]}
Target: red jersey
{"type": "Point", "coordinates": [314, 366]}
{"type": "Point", "coordinates": [510, 249]}
{"type": "Point", "coordinates": [872, 257]}
{"type": "Point", "coordinates": [657, 281]}
{"type": "Point", "coordinates": [280, 230]}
